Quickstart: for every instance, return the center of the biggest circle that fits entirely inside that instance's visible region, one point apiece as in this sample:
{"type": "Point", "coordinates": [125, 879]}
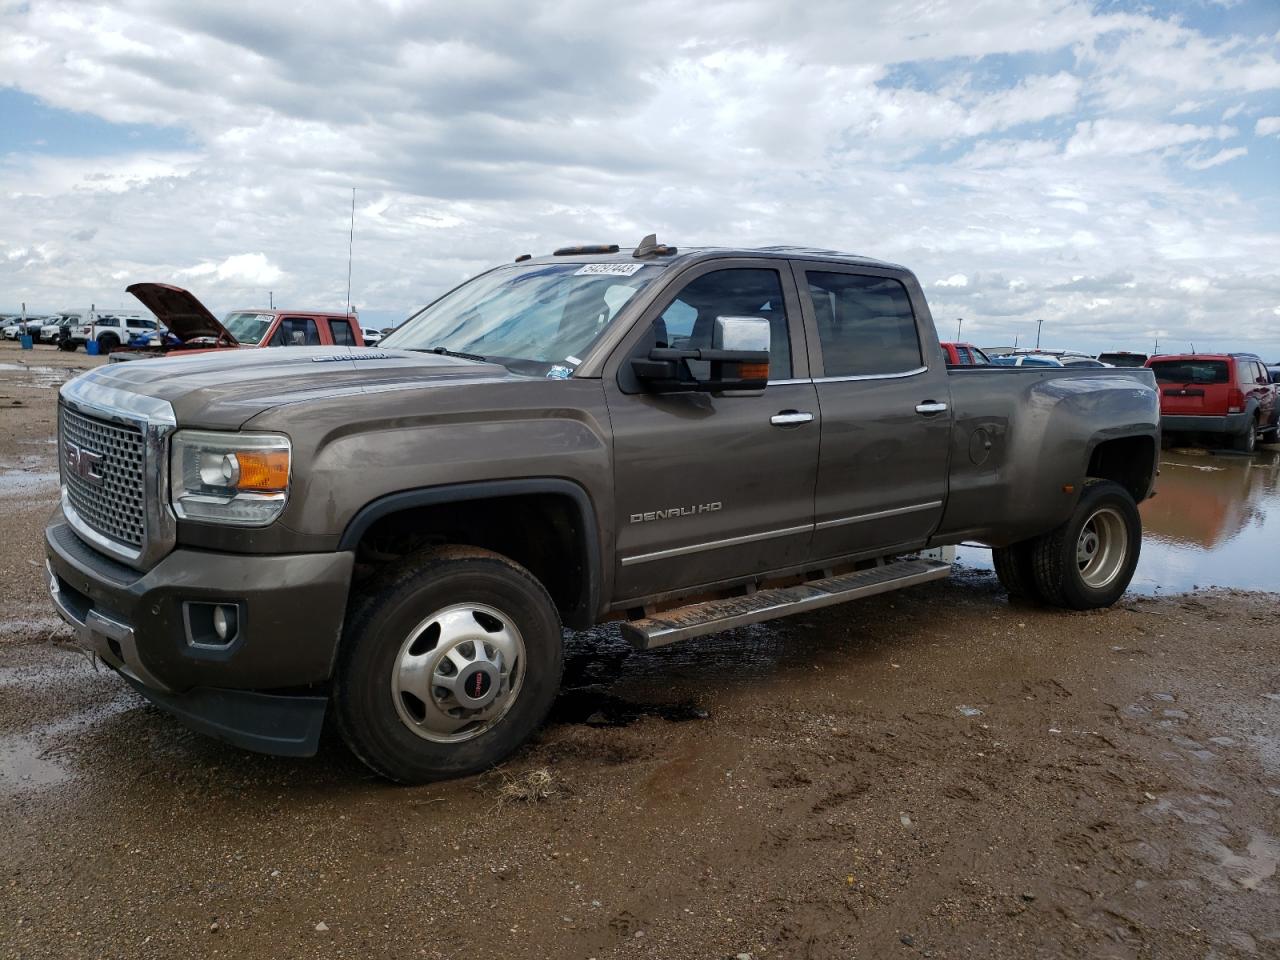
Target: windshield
{"type": "Point", "coordinates": [539, 318]}
{"type": "Point", "coordinates": [1191, 371]}
{"type": "Point", "coordinates": [248, 326]}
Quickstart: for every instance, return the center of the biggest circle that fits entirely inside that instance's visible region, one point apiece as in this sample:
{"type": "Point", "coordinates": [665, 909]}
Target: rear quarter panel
{"type": "Point", "coordinates": [1020, 434]}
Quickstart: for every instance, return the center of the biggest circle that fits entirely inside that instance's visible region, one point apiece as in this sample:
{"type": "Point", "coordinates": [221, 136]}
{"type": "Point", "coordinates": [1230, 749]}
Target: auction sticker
{"type": "Point", "coordinates": [609, 269]}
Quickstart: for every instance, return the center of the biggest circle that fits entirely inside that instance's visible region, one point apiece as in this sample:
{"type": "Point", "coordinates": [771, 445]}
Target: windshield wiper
{"type": "Point", "coordinates": [446, 352]}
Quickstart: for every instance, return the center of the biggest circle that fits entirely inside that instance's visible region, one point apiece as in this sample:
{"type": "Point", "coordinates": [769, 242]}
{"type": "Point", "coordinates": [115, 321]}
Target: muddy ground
{"type": "Point", "coordinates": [933, 773]}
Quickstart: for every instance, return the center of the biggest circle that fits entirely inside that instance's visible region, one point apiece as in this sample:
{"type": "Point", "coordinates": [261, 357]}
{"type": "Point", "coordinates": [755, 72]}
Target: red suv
{"type": "Point", "coordinates": [1229, 394]}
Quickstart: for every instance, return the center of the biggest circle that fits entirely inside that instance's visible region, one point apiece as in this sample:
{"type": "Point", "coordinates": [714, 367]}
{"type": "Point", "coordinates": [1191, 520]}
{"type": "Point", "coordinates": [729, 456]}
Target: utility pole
{"type": "Point", "coordinates": [1039, 324]}
{"type": "Point", "coordinates": [271, 299]}
{"type": "Point", "coordinates": [959, 324]}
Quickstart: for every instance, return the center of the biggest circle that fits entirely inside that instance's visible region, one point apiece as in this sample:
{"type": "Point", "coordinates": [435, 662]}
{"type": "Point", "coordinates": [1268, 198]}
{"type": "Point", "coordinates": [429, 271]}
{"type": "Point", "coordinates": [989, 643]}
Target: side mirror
{"type": "Point", "coordinates": [738, 360]}
{"type": "Point", "coordinates": [1262, 380]}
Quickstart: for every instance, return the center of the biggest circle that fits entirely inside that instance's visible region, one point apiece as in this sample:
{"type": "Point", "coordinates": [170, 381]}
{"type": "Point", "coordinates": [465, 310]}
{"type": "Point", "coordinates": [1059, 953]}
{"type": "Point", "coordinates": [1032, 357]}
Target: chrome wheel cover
{"type": "Point", "coordinates": [458, 672]}
{"type": "Point", "coordinates": [1102, 548]}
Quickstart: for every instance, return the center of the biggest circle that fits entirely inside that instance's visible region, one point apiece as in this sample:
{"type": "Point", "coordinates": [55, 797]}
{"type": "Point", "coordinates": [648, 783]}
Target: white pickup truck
{"type": "Point", "coordinates": [108, 330]}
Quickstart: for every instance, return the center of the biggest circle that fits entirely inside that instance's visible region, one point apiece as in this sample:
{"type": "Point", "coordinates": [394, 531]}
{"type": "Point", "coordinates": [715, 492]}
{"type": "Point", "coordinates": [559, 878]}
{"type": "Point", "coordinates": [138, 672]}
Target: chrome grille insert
{"type": "Point", "coordinates": [114, 504]}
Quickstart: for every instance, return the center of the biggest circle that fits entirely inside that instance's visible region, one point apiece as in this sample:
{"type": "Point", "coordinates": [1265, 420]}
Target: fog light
{"type": "Point", "coordinates": [224, 621]}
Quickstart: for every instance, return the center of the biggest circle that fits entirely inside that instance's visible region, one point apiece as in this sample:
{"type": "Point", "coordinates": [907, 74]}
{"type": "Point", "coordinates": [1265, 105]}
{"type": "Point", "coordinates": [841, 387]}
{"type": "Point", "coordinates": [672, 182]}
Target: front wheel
{"type": "Point", "coordinates": [66, 345]}
{"type": "Point", "coordinates": [1088, 561]}
{"type": "Point", "coordinates": [447, 665]}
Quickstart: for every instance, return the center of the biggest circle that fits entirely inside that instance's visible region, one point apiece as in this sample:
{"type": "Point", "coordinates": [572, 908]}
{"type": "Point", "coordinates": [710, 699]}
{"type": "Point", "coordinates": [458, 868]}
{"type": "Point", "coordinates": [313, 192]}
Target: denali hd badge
{"type": "Point", "coordinates": [672, 512]}
{"type": "Point", "coordinates": [83, 463]}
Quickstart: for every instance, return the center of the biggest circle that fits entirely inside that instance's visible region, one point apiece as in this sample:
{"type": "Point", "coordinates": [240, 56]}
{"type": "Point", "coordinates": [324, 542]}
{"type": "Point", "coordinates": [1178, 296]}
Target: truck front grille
{"type": "Point", "coordinates": [103, 470]}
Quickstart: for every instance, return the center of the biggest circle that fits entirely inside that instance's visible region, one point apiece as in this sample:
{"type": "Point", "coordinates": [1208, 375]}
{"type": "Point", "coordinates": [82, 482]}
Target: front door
{"type": "Point", "coordinates": [713, 488]}
{"type": "Point", "coordinates": [885, 402]}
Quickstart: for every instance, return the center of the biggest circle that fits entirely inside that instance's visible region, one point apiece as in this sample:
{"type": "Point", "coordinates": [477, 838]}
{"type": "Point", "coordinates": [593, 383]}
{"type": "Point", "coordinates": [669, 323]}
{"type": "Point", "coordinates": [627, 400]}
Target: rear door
{"type": "Point", "coordinates": [1193, 386]}
{"type": "Point", "coordinates": [712, 488]}
{"type": "Point", "coordinates": [885, 403]}
{"type": "Point", "coordinates": [340, 333]}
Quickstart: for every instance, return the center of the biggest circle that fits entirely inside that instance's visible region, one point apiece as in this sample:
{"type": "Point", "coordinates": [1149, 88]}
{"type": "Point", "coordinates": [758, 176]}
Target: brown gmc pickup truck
{"type": "Point", "coordinates": [685, 441]}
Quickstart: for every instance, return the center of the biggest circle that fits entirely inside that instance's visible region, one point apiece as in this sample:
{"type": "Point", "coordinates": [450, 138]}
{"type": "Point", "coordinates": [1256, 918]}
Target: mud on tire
{"type": "Point", "coordinates": [1088, 561]}
{"type": "Point", "coordinates": [397, 722]}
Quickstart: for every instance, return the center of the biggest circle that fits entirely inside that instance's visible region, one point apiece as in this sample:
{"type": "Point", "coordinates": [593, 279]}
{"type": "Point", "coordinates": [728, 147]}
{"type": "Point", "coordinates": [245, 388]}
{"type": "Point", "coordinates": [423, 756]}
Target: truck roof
{"type": "Point", "coordinates": [685, 255]}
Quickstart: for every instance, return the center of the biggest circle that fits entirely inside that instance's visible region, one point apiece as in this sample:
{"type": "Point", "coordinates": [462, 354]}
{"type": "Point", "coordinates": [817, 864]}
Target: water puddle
{"type": "Point", "coordinates": [28, 484]}
{"type": "Point", "coordinates": [38, 758]}
{"type": "Point", "coordinates": [1215, 522]}
{"type": "Point", "coordinates": [36, 375]}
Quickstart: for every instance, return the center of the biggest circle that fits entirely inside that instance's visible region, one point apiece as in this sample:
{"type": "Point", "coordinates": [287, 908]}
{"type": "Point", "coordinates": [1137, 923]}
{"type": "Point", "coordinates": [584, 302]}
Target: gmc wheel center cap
{"type": "Point", "coordinates": [478, 686]}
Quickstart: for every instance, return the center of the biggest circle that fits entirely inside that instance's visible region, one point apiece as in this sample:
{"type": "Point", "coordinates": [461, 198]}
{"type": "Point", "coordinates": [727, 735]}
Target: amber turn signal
{"type": "Point", "coordinates": [753, 371]}
{"type": "Point", "coordinates": [263, 469]}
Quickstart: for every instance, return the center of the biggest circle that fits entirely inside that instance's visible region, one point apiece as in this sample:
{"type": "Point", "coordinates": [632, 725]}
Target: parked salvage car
{"type": "Point", "coordinates": [963, 355]}
{"type": "Point", "coordinates": [1026, 360]}
{"type": "Point", "coordinates": [1123, 358]}
{"type": "Point", "coordinates": [687, 441]}
{"type": "Point", "coordinates": [1229, 395]}
{"type": "Point", "coordinates": [194, 329]}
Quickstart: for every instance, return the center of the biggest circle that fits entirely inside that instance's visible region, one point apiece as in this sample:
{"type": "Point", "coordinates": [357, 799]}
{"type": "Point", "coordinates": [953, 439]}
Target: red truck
{"type": "Point", "coordinates": [192, 328]}
{"type": "Point", "coordinates": [1227, 394]}
{"type": "Point", "coordinates": [964, 355]}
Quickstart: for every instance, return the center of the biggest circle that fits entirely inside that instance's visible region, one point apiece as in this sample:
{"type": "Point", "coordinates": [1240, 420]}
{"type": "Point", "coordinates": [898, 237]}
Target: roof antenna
{"type": "Point", "coordinates": [351, 238]}
{"type": "Point", "coordinates": [650, 247]}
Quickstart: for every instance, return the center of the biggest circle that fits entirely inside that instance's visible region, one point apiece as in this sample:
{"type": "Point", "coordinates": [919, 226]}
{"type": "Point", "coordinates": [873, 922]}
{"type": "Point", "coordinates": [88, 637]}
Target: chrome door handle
{"type": "Point", "coordinates": [930, 407]}
{"type": "Point", "coordinates": [789, 418]}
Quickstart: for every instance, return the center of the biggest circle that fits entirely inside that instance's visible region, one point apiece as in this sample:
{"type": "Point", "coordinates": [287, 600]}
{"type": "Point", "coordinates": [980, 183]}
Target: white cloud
{"type": "Point", "coordinates": [240, 270]}
{"type": "Point", "coordinates": [1123, 137]}
{"type": "Point", "coordinates": [1219, 158]}
{"type": "Point", "coordinates": [475, 133]}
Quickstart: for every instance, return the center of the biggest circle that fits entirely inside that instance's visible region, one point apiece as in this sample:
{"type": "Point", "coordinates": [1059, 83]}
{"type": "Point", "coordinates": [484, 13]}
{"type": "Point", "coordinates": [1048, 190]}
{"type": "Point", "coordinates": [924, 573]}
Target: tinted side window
{"type": "Point", "coordinates": [341, 331]}
{"type": "Point", "coordinates": [296, 332]}
{"type": "Point", "coordinates": [865, 324]}
{"type": "Point", "coordinates": [690, 319]}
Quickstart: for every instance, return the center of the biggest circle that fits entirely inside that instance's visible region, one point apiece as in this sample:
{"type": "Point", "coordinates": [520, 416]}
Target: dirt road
{"type": "Point", "coordinates": [933, 773]}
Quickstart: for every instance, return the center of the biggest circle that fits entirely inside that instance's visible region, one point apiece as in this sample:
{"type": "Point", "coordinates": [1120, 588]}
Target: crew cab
{"type": "Point", "coordinates": [1229, 395]}
{"type": "Point", "coordinates": [686, 441]}
{"type": "Point", "coordinates": [192, 327]}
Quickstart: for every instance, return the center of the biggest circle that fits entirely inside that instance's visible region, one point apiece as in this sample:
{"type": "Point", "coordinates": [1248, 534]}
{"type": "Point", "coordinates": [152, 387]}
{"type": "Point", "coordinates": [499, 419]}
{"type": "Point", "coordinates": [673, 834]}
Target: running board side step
{"type": "Point", "coordinates": [712, 616]}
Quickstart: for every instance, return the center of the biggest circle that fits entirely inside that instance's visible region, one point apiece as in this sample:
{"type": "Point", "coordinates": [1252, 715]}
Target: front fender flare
{"type": "Point", "coordinates": [588, 605]}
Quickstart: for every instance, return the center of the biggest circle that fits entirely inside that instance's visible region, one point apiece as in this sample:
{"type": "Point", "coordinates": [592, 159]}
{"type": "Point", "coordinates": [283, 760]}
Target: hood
{"type": "Point", "coordinates": [222, 389]}
{"type": "Point", "coordinates": [181, 312]}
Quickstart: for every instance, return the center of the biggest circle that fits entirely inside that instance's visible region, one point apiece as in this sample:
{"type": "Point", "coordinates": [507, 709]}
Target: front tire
{"type": "Point", "coordinates": [447, 665]}
{"type": "Point", "coordinates": [67, 345]}
{"type": "Point", "coordinates": [1088, 561]}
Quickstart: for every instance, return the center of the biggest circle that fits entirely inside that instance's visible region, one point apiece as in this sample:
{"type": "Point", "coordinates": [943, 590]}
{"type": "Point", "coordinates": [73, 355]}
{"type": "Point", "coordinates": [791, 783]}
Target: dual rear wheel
{"type": "Point", "coordinates": [1087, 561]}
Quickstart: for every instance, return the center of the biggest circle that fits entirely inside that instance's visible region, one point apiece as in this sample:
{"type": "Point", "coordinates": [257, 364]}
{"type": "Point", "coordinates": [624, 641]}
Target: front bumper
{"type": "Point", "coordinates": [291, 613]}
{"type": "Point", "coordinates": [1231, 424]}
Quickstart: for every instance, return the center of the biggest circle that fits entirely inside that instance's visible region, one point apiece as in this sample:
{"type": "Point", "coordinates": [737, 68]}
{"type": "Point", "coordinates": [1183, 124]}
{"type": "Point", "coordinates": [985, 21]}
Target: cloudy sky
{"type": "Point", "coordinates": [1111, 168]}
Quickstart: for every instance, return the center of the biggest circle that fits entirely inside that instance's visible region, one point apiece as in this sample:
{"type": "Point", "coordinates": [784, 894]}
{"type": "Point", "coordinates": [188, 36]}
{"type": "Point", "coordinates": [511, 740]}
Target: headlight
{"type": "Point", "coordinates": [240, 478]}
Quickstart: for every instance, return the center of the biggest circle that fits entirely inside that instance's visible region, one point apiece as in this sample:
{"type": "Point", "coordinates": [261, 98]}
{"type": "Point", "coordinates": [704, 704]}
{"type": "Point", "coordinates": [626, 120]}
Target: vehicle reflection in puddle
{"type": "Point", "coordinates": [1215, 522]}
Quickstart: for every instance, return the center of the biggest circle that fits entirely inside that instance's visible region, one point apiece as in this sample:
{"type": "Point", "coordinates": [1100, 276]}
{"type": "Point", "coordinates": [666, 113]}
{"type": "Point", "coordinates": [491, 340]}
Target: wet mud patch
{"type": "Point", "coordinates": [596, 707]}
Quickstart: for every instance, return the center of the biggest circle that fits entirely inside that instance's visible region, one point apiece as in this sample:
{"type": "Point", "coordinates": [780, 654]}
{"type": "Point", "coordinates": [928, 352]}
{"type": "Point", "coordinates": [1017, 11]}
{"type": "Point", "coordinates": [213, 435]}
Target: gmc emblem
{"type": "Point", "coordinates": [83, 463]}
